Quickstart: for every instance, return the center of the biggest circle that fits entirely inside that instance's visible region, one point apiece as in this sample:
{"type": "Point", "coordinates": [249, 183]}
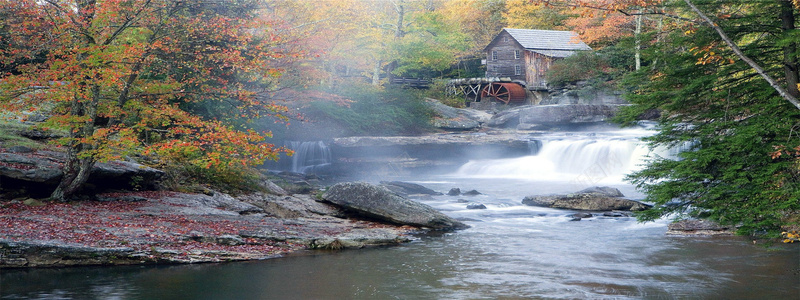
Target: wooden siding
{"type": "Point", "coordinates": [537, 65]}
{"type": "Point", "coordinates": [505, 63]}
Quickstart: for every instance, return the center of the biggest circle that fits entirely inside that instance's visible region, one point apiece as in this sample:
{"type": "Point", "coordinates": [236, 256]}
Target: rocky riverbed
{"type": "Point", "coordinates": [111, 225]}
{"type": "Point", "coordinates": [169, 227]}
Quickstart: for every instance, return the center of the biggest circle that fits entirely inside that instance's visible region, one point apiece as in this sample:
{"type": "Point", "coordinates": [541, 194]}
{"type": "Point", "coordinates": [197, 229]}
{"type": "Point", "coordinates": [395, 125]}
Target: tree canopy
{"type": "Point", "coordinates": [131, 76]}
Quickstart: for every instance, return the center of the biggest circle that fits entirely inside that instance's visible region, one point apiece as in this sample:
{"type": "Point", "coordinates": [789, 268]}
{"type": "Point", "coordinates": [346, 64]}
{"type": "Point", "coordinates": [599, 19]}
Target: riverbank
{"type": "Point", "coordinates": [169, 227]}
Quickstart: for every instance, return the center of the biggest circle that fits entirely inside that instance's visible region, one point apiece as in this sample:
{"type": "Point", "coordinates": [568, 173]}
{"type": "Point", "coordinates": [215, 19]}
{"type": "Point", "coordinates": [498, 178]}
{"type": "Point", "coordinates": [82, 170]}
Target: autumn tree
{"type": "Point", "coordinates": [527, 14]}
{"type": "Point", "coordinates": [122, 77]}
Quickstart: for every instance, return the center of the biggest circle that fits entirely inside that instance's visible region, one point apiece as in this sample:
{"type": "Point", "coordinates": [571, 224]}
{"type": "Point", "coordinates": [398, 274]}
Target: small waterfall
{"type": "Point", "coordinates": [582, 159]}
{"type": "Point", "coordinates": [309, 157]}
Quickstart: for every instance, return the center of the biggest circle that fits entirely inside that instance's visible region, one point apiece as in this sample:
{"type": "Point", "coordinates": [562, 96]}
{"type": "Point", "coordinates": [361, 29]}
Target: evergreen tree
{"type": "Point", "coordinates": [742, 163]}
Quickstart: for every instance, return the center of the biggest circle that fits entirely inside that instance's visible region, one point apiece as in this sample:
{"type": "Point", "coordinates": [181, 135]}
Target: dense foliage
{"type": "Point", "coordinates": [376, 111]}
{"type": "Point", "coordinates": [741, 165]}
{"type": "Point", "coordinates": [128, 77]}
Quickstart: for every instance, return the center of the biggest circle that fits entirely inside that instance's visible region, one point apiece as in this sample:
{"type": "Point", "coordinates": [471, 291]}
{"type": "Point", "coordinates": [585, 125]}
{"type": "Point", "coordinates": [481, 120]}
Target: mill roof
{"type": "Point", "coordinates": [535, 39]}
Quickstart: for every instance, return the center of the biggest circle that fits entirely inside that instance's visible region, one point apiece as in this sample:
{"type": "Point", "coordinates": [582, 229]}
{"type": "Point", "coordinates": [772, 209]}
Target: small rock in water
{"type": "Point", "coordinates": [471, 193]}
{"type": "Point", "coordinates": [582, 215]}
{"type": "Point", "coordinates": [462, 201]}
{"type": "Point", "coordinates": [615, 214]}
{"type": "Point", "coordinates": [575, 219]}
{"type": "Point", "coordinates": [476, 206]}
{"type": "Point", "coordinates": [454, 192]}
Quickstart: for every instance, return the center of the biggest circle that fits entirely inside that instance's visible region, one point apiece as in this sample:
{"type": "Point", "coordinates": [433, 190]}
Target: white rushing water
{"type": "Point", "coordinates": [511, 251]}
{"type": "Point", "coordinates": [309, 156]}
{"type": "Point", "coordinates": [581, 159]}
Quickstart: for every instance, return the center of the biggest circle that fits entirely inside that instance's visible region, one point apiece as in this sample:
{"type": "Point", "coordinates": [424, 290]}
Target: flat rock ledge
{"type": "Point", "coordinates": [171, 228]}
{"type": "Point", "coordinates": [382, 204]}
{"type": "Point", "coordinates": [698, 227]}
{"type": "Point", "coordinates": [591, 199]}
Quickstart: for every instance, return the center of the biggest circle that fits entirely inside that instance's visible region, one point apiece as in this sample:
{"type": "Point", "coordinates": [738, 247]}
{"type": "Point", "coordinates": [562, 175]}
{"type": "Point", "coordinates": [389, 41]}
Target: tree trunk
{"type": "Point", "coordinates": [790, 64]}
{"type": "Point", "coordinates": [376, 73]}
{"type": "Point", "coordinates": [79, 162]}
{"type": "Point", "coordinates": [772, 82]}
{"type": "Point", "coordinates": [637, 33]}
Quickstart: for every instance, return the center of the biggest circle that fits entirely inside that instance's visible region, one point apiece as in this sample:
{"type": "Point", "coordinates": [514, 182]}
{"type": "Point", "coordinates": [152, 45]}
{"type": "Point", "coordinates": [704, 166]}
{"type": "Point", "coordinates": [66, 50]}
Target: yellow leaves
{"type": "Point", "coordinates": [707, 55]}
{"type": "Point", "coordinates": [790, 237]}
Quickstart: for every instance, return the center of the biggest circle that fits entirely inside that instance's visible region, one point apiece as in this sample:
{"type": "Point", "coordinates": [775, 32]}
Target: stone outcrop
{"type": "Point", "coordinates": [34, 168]}
{"type": "Point", "coordinates": [169, 227]}
{"type": "Point", "coordinates": [382, 204]}
{"type": "Point", "coordinates": [40, 171]}
{"type": "Point", "coordinates": [125, 175]}
{"type": "Point", "coordinates": [407, 188]}
{"type": "Point", "coordinates": [698, 227]}
{"type": "Point", "coordinates": [592, 199]}
{"type": "Point", "coordinates": [451, 118]}
{"type": "Point", "coordinates": [544, 116]}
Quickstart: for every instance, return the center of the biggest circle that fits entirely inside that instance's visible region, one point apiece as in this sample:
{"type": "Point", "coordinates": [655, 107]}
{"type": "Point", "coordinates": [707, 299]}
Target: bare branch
{"type": "Point", "coordinates": [772, 82]}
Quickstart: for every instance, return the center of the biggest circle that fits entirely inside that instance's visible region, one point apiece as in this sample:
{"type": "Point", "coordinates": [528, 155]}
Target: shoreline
{"type": "Point", "coordinates": [179, 228]}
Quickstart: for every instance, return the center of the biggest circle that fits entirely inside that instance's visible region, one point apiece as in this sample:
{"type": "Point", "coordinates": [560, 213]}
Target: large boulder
{"type": "Point", "coordinates": [40, 171]}
{"type": "Point", "coordinates": [380, 203]}
{"type": "Point", "coordinates": [33, 168]}
{"type": "Point", "coordinates": [593, 199]}
{"type": "Point", "coordinates": [451, 118]}
{"type": "Point", "coordinates": [408, 188]}
{"type": "Point", "coordinates": [125, 175]}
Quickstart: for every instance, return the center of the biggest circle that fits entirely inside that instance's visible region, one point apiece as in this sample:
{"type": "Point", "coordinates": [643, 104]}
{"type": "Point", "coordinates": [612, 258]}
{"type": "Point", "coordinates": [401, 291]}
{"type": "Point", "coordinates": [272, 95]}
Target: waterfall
{"type": "Point", "coordinates": [586, 158]}
{"type": "Point", "coordinates": [309, 157]}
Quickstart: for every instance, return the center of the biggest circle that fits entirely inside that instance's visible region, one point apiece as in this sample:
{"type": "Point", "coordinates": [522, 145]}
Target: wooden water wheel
{"type": "Point", "coordinates": [506, 92]}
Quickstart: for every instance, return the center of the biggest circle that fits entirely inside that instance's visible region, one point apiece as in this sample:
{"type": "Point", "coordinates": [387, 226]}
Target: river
{"type": "Point", "coordinates": [510, 252]}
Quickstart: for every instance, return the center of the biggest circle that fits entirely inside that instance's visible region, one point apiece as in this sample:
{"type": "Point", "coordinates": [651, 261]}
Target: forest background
{"type": "Point", "coordinates": [194, 82]}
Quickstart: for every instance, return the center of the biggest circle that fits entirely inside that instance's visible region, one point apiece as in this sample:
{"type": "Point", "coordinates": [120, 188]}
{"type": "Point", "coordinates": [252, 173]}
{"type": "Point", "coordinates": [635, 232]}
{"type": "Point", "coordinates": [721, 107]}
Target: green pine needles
{"type": "Point", "coordinates": [744, 166]}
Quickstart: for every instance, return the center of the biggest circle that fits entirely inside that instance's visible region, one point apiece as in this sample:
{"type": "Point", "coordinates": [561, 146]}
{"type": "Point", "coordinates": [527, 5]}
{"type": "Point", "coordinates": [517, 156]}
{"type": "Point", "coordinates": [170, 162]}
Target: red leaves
{"type": "Point", "coordinates": [125, 224]}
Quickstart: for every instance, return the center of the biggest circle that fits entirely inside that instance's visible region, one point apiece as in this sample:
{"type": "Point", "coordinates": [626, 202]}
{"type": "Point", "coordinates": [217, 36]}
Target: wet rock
{"type": "Point", "coordinates": [57, 254]}
{"type": "Point", "coordinates": [698, 227]}
{"type": "Point", "coordinates": [574, 219]}
{"type": "Point", "coordinates": [585, 201]}
{"type": "Point", "coordinates": [582, 215]}
{"type": "Point", "coordinates": [454, 192]}
{"type": "Point", "coordinates": [408, 188]}
{"type": "Point", "coordinates": [462, 201]}
{"type": "Point", "coordinates": [602, 190]}
{"type": "Point", "coordinates": [380, 203]}
{"type": "Point", "coordinates": [471, 193]}
{"type": "Point", "coordinates": [476, 206]}
{"type": "Point", "coordinates": [616, 214]}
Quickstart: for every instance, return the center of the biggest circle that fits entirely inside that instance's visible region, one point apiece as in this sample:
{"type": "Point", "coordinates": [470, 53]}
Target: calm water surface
{"type": "Point", "coordinates": [511, 252]}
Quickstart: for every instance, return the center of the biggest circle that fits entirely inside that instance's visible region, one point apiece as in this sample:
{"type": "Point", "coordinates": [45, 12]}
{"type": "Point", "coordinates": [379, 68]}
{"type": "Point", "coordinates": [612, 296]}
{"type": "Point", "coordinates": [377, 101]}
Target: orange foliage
{"type": "Point", "coordinates": [135, 62]}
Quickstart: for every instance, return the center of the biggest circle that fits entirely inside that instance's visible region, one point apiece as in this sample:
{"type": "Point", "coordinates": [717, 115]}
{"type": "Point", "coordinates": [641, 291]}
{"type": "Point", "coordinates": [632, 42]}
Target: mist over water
{"type": "Point", "coordinates": [512, 251]}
